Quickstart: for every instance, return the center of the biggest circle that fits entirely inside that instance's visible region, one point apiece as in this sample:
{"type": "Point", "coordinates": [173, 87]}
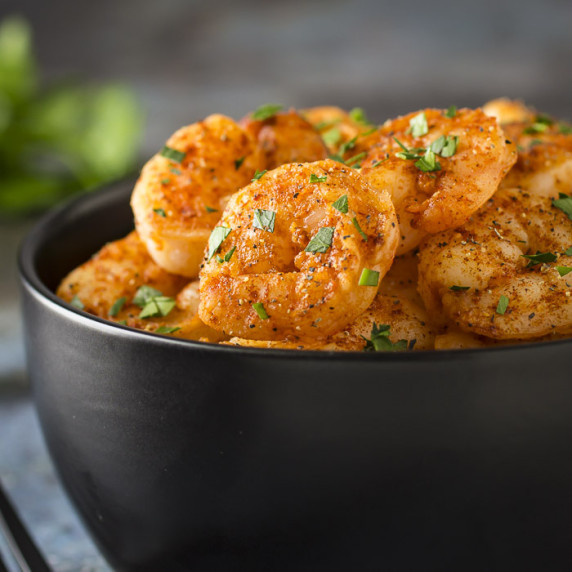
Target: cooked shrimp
{"type": "Point", "coordinates": [290, 262]}
{"type": "Point", "coordinates": [107, 284]}
{"type": "Point", "coordinates": [478, 277]}
{"type": "Point", "coordinates": [285, 138]}
{"type": "Point", "coordinates": [182, 191]}
{"type": "Point", "coordinates": [544, 165]}
{"type": "Point", "coordinates": [443, 188]}
{"type": "Point", "coordinates": [508, 110]}
{"type": "Point", "coordinates": [408, 323]}
{"type": "Point", "coordinates": [336, 126]}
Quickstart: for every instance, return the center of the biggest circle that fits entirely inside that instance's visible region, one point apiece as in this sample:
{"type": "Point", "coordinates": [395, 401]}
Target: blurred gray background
{"type": "Point", "coordinates": [189, 58]}
{"type": "Point", "coordinates": [186, 59]}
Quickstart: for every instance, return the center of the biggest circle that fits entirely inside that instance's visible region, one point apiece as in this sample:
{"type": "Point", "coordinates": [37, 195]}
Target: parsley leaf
{"type": "Point", "coordinates": [369, 277]}
{"type": "Point", "coordinates": [322, 240]}
{"type": "Point", "coordinates": [380, 342]}
{"type": "Point", "coordinates": [451, 112]}
{"type": "Point", "coordinates": [210, 209]}
{"type": "Point", "coordinates": [166, 330]}
{"type": "Point", "coordinates": [238, 163]}
{"type": "Point", "coordinates": [569, 252]}
{"type": "Point", "coordinates": [160, 212]}
{"type": "Point", "coordinates": [358, 227]}
{"type": "Point", "coordinates": [157, 306]}
{"type": "Point", "coordinates": [358, 115]}
{"type": "Point", "coordinates": [418, 125]}
{"type": "Point", "coordinates": [216, 238]}
{"type": "Point", "coordinates": [145, 293]}
{"type": "Point", "coordinates": [341, 204]}
{"type": "Point", "coordinates": [117, 305]}
{"type": "Point", "coordinates": [266, 111]}
{"type": "Point", "coordinates": [564, 203]}
{"type": "Point", "coordinates": [172, 154]}
{"type": "Point", "coordinates": [446, 146]}
{"type": "Point", "coordinates": [541, 124]}
{"type": "Point", "coordinates": [345, 147]}
{"type": "Point", "coordinates": [539, 258]}
{"type": "Point", "coordinates": [227, 256]}
{"type": "Point", "coordinates": [428, 162]}
{"type": "Point", "coordinates": [258, 175]}
{"type": "Point", "coordinates": [563, 270]}
{"type": "Point", "coordinates": [264, 220]}
{"type": "Point", "coordinates": [356, 159]}
{"type": "Point", "coordinates": [502, 305]}
{"type": "Point", "coordinates": [332, 136]}
{"type": "Point", "coordinates": [77, 303]}
{"type": "Point", "coordinates": [564, 129]}
{"type": "Point", "coordinates": [260, 310]}
{"type": "Point", "coordinates": [316, 179]}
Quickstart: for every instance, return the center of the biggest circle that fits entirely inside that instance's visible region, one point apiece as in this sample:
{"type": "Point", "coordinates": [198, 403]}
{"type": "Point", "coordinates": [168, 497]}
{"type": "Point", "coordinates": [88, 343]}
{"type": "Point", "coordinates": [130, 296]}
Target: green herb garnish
{"type": "Point", "coordinates": [165, 181]}
{"type": "Point", "coordinates": [157, 306]}
{"type": "Point", "coordinates": [258, 175]}
{"type": "Point", "coordinates": [326, 124]}
{"type": "Point", "coordinates": [166, 330]}
{"type": "Point", "coordinates": [459, 288]}
{"type": "Point", "coordinates": [238, 163]}
{"type": "Point", "coordinates": [445, 146]}
{"type": "Point", "coordinates": [260, 310]}
{"type": "Point", "coordinates": [451, 111]}
{"type": "Point", "coordinates": [502, 305]}
{"type": "Point", "coordinates": [145, 293]}
{"type": "Point", "coordinates": [569, 252]}
{"type": "Point", "coordinates": [368, 277]}
{"type": "Point", "coordinates": [428, 162]}
{"type": "Point", "coordinates": [77, 303]}
{"type": "Point", "coordinates": [345, 147]}
{"type": "Point", "coordinates": [172, 154]}
{"type": "Point", "coordinates": [358, 115]}
{"type": "Point", "coordinates": [539, 258]}
{"type": "Point", "coordinates": [266, 111]}
{"type": "Point", "coordinates": [564, 129]}
{"type": "Point", "coordinates": [541, 124]}
{"type": "Point", "coordinates": [316, 179]}
{"type": "Point", "coordinates": [341, 204]}
{"type": "Point", "coordinates": [322, 240]}
{"type": "Point", "coordinates": [216, 238]}
{"type": "Point", "coordinates": [160, 212]}
{"type": "Point", "coordinates": [563, 270]}
{"type": "Point", "coordinates": [356, 159]}
{"type": "Point", "coordinates": [564, 203]}
{"type": "Point", "coordinates": [358, 227]}
{"type": "Point", "coordinates": [210, 209]}
{"type": "Point", "coordinates": [380, 341]}
{"type": "Point", "coordinates": [418, 125]}
{"type": "Point", "coordinates": [264, 220]}
{"type": "Point", "coordinates": [332, 136]}
{"type": "Point", "coordinates": [227, 256]}
{"type": "Point", "coordinates": [117, 305]}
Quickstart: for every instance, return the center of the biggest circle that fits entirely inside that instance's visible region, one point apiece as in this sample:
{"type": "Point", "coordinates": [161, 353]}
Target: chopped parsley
{"type": "Point", "coordinates": [210, 209]}
{"type": "Point", "coordinates": [172, 154]}
{"type": "Point", "coordinates": [264, 220]}
{"type": "Point", "coordinates": [258, 175]}
{"type": "Point", "coordinates": [157, 306]}
{"type": "Point", "coordinates": [356, 159]}
{"type": "Point", "coordinates": [260, 310]}
{"type": "Point", "coordinates": [216, 238]}
{"type": "Point", "coordinates": [502, 305]}
{"type": "Point", "coordinates": [428, 162]}
{"type": "Point", "coordinates": [145, 293]}
{"type": "Point", "coordinates": [358, 227]}
{"type": "Point", "coordinates": [345, 147]}
{"type": "Point", "coordinates": [446, 146]}
{"type": "Point", "coordinates": [327, 124]}
{"type": "Point", "coordinates": [266, 111]}
{"type": "Point", "coordinates": [166, 330]}
{"type": "Point", "coordinates": [316, 179]}
{"type": "Point", "coordinates": [564, 203]}
{"type": "Point", "coordinates": [563, 270]}
{"type": "Point", "coordinates": [541, 123]}
{"type": "Point", "coordinates": [117, 305]}
{"type": "Point", "coordinates": [451, 111]}
{"type": "Point", "coordinates": [539, 258]}
{"type": "Point", "coordinates": [564, 129]}
{"type": "Point", "coordinates": [337, 158]}
{"type": "Point", "coordinates": [358, 115]}
{"type": "Point", "coordinates": [418, 125]}
{"type": "Point", "coordinates": [380, 342]}
{"type": "Point", "coordinates": [569, 252]}
{"type": "Point", "coordinates": [332, 136]}
{"type": "Point", "coordinates": [238, 163]}
{"type": "Point", "coordinates": [322, 240]}
{"type": "Point", "coordinates": [341, 204]}
{"type": "Point", "coordinates": [165, 181]}
{"type": "Point", "coordinates": [160, 212]}
{"type": "Point", "coordinates": [227, 256]}
{"type": "Point", "coordinates": [369, 277]}
{"type": "Point", "coordinates": [459, 288]}
{"type": "Point", "coordinates": [77, 303]}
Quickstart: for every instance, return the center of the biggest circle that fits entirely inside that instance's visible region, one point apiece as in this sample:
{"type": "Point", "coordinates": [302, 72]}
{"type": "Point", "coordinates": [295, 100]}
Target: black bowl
{"type": "Point", "coordinates": [181, 455]}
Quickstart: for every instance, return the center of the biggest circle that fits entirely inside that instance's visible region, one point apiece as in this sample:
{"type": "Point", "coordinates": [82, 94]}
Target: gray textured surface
{"type": "Point", "coordinates": [189, 58]}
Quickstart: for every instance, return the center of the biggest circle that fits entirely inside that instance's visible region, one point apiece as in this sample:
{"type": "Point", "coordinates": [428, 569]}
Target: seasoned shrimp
{"type": "Point", "coordinates": [544, 165]}
{"type": "Point", "coordinates": [285, 137]}
{"type": "Point", "coordinates": [504, 274]}
{"type": "Point", "coordinates": [182, 191]}
{"type": "Point", "coordinates": [291, 251]}
{"type": "Point", "coordinates": [508, 110]}
{"type": "Point", "coordinates": [438, 169]}
{"type": "Point", "coordinates": [336, 126]}
{"type": "Point", "coordinates": [107, 284]}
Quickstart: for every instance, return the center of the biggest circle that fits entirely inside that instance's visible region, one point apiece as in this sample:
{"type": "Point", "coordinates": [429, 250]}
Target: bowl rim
{"type": "Point", "coordinates": [88, 200]}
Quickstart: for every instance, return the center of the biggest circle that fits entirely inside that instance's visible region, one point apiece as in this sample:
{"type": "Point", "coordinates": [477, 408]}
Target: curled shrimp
{"type": "Point", "coordinates": [486, 277]}
{"type": "Point", "coordinates": [290, 252]}
{"type": "Point", "coordinates": [182, 191]}
{"type": "Point", "coordinates": [336, 126]}
{"type": "Point", "coordinates": [438, 169]}
{"type": "Point", "coordinates": [107, 285]}
{"type": "Point", "coordinates": [285, 137]}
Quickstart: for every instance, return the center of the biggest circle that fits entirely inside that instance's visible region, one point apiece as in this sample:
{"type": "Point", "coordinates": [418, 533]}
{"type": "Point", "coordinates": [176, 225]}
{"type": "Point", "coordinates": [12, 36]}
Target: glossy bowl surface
{"type": "Point", "coordinates": [180, 455]}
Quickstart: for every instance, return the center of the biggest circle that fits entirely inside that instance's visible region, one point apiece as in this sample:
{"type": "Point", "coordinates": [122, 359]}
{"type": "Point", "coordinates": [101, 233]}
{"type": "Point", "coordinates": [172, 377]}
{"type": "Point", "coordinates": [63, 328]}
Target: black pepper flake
{"type": "Point", "coordinates": [530, 316]}
{"type": "Point", "coordinates": [252, 326]}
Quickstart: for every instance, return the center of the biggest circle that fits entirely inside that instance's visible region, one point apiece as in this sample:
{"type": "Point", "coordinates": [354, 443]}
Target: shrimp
{"type": "Point", "coordinates": [508, 110]}
{"type": "Point", "coordinates": [485, 278]}
{"type": "Point", "coordinates": [107, 284]}
{"type": "Point", "coordinates": [285, 138]}
{"type": "Point", "coordinates": [182, 191]}
{"type": "Point", "coordinates": [294, 247]}
{"type": "Point", "coordinates": [439, 170]}
{"type": "Point", "coordinates": [336, 126]}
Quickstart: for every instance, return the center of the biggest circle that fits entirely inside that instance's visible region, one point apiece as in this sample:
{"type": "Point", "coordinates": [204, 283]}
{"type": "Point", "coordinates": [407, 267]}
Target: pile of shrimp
{"type": "Point", "coordinates": [318, 230]}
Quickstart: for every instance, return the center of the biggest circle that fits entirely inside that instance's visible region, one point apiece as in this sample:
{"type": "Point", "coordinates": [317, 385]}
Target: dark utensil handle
{"type": "Point", "coordinates": [19, 541]}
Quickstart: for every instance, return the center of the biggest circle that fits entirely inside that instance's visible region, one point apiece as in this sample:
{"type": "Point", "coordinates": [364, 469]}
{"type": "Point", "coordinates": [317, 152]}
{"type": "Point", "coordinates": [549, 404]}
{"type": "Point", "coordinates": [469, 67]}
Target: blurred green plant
{"type": "Point", "coordinates": [57, 140]}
